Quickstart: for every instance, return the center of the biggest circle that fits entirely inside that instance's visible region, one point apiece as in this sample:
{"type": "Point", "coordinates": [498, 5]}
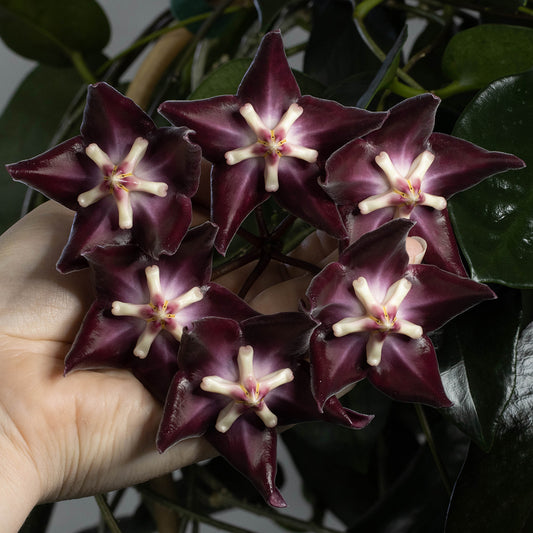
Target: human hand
{"type": "Point", "coordinates": [92, 431]}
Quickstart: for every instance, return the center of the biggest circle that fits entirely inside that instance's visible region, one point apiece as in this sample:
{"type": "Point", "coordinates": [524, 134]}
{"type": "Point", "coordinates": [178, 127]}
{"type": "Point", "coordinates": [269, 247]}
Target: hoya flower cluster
{"type": "Point", "coordinates": [377, 182]}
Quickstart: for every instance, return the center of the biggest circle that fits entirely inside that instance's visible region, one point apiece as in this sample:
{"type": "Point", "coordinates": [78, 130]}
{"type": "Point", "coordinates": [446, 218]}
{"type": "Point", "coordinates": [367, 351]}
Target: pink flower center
{"type": "Point", "coordinates": [159, 313]}
{"type": "Point", "coordinates": [405, 191]}
{"type": "Point", "coordinates": [246, 393]}
{"type": "Point", "coordinates": [271, 144]}
{"type": "Point", "coordinates": [120, 180]}
{"type": "Point", "coordinates": [380, 319]}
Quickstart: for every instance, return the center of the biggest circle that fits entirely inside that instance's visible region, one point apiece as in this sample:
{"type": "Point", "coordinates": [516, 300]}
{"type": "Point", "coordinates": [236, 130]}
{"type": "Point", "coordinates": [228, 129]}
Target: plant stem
{"type": "Point", "coordinates": [455, 87]}
{"type": "Point", "coordinates": [378, 52]}
{"type": "Point", "coordinates": [399, 88]}
{"type": "Point", "coordinates": [284, 520]}
{"type": "Point", "coordinates": [431, 443]}
{"type": "Point", "coordinates": [145, 491]}
{"type": "Point", "coordinates": [107, 514]}
{"type": "Point", "coordinates": [83, 70]}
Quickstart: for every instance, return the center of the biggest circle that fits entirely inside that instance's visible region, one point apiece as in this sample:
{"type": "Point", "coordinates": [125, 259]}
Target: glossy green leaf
{"type": "Point", "coordinates": [482, 54]}
{"type": "Point", "coordinates": [49, 30]}
{"type": "Point", "coordinates": [417, 500]}
{"type": "Point", "coordinates": [494, 493]}
{"type": "Point", "coordinates": [224, 80]}
{"type": "Point", "coordinates": [27, 127]}
{"type": "Point", "coordinates": [476, 354]}
{"type": "Point", "coordinates": [493, 221]}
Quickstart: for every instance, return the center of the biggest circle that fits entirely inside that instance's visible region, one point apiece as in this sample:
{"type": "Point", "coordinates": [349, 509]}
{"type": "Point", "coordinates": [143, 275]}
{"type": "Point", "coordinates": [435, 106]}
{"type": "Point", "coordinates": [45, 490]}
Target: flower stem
{"type": "Point", "coordinates": [284, 520]}
{"type": "Point", "coordinates": [455, 87]}
{"type": "Point", "coordinates": [145, 491]}
{"type": "Point", "coordinates": [362, 9]}
{"type": "Point", "coordinates": [81, 66]}
{"type": "Point", "coordinates": [431, 443]}
{"type": "Point", "coordinates": [401, 89]}
{"type": "Point", "coordinates": [107, 514]}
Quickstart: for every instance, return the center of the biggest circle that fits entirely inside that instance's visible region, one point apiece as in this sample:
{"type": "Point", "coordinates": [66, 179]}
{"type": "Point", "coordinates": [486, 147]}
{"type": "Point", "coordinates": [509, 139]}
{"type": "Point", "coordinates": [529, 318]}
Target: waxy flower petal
{"type": "Point", "coordinates": [237, 383]}
{"type": "Point", "coordinates": [143, 305]}
{"type": "Point", "coordinates": [403, 170]}
{"type": "Point", "coordinates": [375, 310]}
{"type": "Point", "coordinates": [269, 140]}
{"type": "Point", "coordinates": [127, 180]}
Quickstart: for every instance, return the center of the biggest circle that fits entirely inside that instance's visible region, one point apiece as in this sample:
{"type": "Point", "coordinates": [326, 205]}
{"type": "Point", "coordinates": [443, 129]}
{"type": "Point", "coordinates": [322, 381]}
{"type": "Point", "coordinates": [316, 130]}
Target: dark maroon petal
{"type": "Point", "coordinates": [217, 302]}
{"type": "Point", "coordinates": [459, 165]}
{"type": "Point", "coordinates": [159, 224]}
{"type": "Point", "coordinates": [437, 296]}
{"type": "Point", "coordinates": [218, 126]}
{"type": "Point", "coordinates": [171, 157]}
{"type": "Point", "coordinates": [61, 173]}
{"type": "Point", "coordinates": [300, 194]}
{"type": "Point", "coordinates": [103, 341]}
{"type": "Point", "coordinates": [336, 362]}
{"type": "Point", "coordinates": [93, 226]}
{"type": "Point", "coordinates": [294, 402]}
{"type": "Point", "coordinates": [186, 413]}
{"type": "Point", "coordinates": [279, 340]}
{"type": "Point", "coordinates": [435, 228]}
{"type": "Point", "coordinates": [269, 83]}
{"type": "Point", "coordinates": [191, 265]}
{"type": "Point", "coordinates": [409, 372]}
{"type": "Point", "coordinates": [358, 225]}
{"type": "Point", "coordinates": [405, 132]}
{"type": "Point", "coordinates": [251, 448]}
{"type": "Point", "coordinates": [237, 190]}
{"type": "Point", "coordinates": [352, 174]}
{"type": "Point", "coordinates": [379, 256]}
{"type": "Point", "coordinates": [113, 121]}
{"type": "Point", "coordinates": [210, 347]}
{"type": "Point", "coordinates": [342, 125]}
{"type": "Point", "coordinates": [330, 295]}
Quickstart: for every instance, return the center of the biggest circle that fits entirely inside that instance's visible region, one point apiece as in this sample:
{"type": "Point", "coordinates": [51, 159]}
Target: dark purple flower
{"type": "Point", "coordinates": [375, 311]}
{"type": "Point", "coordinates": [403, 170]}
{"type": "Point", "coordinates": [237, 383]}
{"type": "Point", "coordinates": [127, 180]}
{"type": "Point", "coordinates": [268, 139]}
{"type": "Point", "coordinates": [142, 306]}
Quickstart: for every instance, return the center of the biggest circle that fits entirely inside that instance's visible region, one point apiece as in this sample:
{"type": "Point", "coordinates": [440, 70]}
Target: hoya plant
{"type": "Point", "coordinates": [297, 225]}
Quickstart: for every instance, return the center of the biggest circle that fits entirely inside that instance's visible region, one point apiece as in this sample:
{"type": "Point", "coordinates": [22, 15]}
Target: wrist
{"type": "Point", "coordinates": [19, 486]}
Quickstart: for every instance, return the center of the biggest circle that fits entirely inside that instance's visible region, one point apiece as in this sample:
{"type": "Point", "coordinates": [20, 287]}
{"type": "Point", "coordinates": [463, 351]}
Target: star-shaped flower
{"type": "Point", "coordinates": [269, 140]}
{"type": "Point", "coordinates": [375, 311]}
{"type": "Point", "coordinates": [127, 180]}
{"type": "Point", "coordinates": [237, 384]}
{"type": "Point", "coordinates": [403, 170]}
{"type": "Point", "coordinates": [142, 306]}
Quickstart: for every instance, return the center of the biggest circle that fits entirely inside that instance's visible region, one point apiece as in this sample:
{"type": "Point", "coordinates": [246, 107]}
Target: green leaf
{"type": "Point", "coordinates": [224, 80]}
{"type": "Point", "coordinates": [49, 30]}
{"type": "Point", "coordinates": [27, 127]}
{"type": "Point", "coordinates": [493, 221]}
{"type": "Point", "coordinates": [494, 492]}
{"type": "Point", "coordinates": [480, 55]}
{"type": "Point", "coordinates": [476, 354]}
{"type": "Point", "coordinates": [417, 500]}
